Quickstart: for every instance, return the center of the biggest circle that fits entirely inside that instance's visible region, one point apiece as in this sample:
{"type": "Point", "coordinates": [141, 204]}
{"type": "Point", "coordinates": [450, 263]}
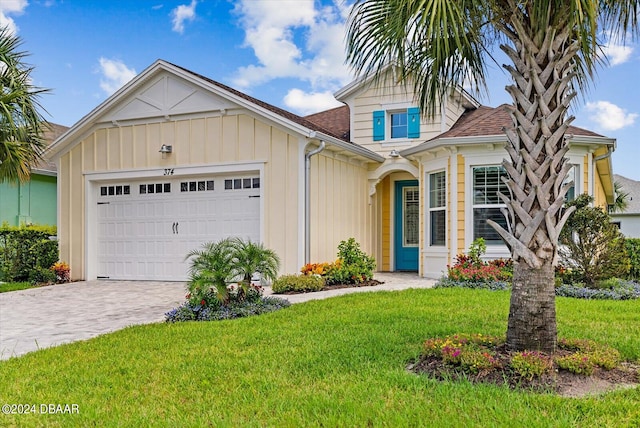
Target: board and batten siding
{"type": "Point", "coordinates": [196, 141]}
{"type": "Point", "coordinates": [340, 207]}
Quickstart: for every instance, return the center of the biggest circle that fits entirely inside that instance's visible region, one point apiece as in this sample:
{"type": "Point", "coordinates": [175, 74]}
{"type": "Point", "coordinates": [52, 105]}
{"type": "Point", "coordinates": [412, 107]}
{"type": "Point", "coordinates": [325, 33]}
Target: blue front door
{"type": "Point", "coordinates": [407, 225]}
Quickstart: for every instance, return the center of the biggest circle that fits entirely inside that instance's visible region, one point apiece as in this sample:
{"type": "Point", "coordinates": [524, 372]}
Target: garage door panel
{"type": "Point", "coordinates": [146, 236]}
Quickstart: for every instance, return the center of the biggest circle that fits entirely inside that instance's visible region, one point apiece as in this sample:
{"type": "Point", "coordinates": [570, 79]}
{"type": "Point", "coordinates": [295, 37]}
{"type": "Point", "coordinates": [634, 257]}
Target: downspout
{"type": "Point", "coordinates": [307, 200]}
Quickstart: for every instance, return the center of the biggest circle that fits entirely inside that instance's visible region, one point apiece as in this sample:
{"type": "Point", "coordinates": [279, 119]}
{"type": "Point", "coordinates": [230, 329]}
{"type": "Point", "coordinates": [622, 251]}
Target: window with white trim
{"type": "Point", "coordinates": [410, 223]}
{"type": "Point", "coordinates": [437, 209]}
{"type": "Point", "coordinates": [487, 205]}
{"type": "Point", "coordinates": [396, 124]}
{"type": "Point", "coordinates": [572, 176]}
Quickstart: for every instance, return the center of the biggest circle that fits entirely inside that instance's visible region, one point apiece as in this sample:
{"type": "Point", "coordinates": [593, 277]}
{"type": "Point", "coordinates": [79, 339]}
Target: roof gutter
{"type": "Point", "coordinates": [307, 199]}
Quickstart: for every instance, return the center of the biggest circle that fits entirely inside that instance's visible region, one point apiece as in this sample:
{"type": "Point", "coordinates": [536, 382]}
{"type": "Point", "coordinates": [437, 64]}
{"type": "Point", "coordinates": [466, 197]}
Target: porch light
{"type": "Point", "coordinates": [164, 149]}
{"type": "Point", "coordinates": [394, 154]}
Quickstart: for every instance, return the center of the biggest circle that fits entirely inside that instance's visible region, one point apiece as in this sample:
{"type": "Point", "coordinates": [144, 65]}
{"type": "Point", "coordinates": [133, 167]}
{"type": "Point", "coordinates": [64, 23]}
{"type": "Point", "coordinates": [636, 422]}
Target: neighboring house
{"type": "Point", "coordinates": [629, 219]}
{"type": "Point", "coordinates": [34, 201]}
{"type": "Point", "coordinates": [174, 159]}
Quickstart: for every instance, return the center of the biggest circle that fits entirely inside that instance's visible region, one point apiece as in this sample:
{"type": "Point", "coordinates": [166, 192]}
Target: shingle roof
{"type": "Point", "coordinates": [51, 133]}
{"type": "Point", "coordinates": [336, 120]}
{"type": "Point", "coordinates": [284, 113]}
{"type": "Point", "coordinates": [490, 121]}
{"type": "Point", "coordinates": [632, 187]}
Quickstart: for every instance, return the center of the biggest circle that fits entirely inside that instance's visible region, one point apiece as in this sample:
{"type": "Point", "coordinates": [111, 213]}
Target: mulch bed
{"type": "Point", "coordinates": [559, 381]}
{"type": "Point", "coordinates": [370, 283]}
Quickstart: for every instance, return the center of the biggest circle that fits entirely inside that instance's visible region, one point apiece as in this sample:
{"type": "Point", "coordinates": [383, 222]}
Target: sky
{"type": "Point", "coordinates": [289, 53]}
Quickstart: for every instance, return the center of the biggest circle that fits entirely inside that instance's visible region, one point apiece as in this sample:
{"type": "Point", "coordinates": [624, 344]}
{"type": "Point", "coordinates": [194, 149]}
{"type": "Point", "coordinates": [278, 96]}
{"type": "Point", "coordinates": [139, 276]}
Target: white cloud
{"type": "Point", "coordinates": [181, 14]}
{"type": "Point", "coordinates": [294, 39]}
{"type": "Point", "coordinates": [11, 7]}
{"type": "Point", "coordinates": [114, 74]}
{"type": "Point", "coordinates": [617, 54]}
{"type": "Point", "coordinates": [307, 103]}
{"type": "Point", "coordinates": [609, 116]}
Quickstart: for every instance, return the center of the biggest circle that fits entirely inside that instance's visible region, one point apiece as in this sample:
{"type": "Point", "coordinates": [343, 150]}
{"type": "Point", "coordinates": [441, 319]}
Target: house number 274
{"type": "Point", "coordinates": [168, 171]}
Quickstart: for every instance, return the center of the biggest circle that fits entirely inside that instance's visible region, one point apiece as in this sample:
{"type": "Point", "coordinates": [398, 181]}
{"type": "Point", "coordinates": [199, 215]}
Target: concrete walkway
{"type": "Point", "coordinates": [48, 316]}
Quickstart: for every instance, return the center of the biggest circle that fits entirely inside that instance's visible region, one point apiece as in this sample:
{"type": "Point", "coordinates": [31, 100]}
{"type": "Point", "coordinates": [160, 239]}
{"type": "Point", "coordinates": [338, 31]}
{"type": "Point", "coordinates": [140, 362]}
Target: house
{"type": "Point", "coordinates": [174, 159]}
{"type": "Point", "coordinates": [629, 219]}
{"type": "Point", "coordinates": [34, 201]}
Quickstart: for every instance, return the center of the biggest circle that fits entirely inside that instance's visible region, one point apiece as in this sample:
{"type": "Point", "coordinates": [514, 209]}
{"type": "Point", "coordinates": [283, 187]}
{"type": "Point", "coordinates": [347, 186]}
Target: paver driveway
{"type": "Point", "coordinates": [47, 316]}
{"type": "Point", "coordinates": [42, 317]}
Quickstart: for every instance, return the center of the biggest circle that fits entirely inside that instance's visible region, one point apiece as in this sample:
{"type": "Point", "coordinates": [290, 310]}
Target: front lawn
{"type": "Point", "coordinates": [335, 362]}
{"type": "Point", "coordinates": [14, 286]}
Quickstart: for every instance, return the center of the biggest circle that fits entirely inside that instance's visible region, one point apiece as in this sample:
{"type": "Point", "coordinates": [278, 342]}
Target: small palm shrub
{"type": "Point", "coordinates": [220, 286]}
{"type": "Point", "coordinates": [240, 304]}
{"type": "Point", "coordinates": [298, 283]}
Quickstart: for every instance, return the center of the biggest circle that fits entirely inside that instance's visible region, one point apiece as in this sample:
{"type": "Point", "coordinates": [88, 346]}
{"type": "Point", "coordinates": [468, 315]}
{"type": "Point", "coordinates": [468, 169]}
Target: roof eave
{"type": "Point", "coordinates": [350, 147]}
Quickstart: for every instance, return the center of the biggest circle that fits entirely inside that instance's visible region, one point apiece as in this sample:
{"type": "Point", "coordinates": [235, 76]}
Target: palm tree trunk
{"type": "Point", "coordinates": [532, 313]}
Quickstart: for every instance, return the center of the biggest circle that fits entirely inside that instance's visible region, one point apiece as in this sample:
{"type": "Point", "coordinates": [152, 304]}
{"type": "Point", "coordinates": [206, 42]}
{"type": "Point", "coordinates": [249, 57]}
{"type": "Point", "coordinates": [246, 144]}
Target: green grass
{"type": "Point", "coordinates": [336, 362]}
{"type": "Point", "coordinates": [13, 286]}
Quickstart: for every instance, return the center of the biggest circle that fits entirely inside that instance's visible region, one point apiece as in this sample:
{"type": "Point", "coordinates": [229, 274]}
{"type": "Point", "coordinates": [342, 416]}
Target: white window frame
{"type": "Point", "coordinates": [431, 209]}
{"type": "Point", "coordinates": [390, 109]}
{"type": "Point", "coordinates": [389, 114]}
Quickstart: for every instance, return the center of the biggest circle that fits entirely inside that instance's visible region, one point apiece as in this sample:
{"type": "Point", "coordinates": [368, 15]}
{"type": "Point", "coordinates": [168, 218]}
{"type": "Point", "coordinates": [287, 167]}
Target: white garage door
{"type": "Point", "coordinates": [145, 229]}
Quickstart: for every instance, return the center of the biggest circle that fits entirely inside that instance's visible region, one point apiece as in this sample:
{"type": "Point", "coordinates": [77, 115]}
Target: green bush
{"type": "Point", "coordinates": [353, 265]}
{"type": "Point", "coordinates": [26, 251]}
{"type": "Point", "coordinates": [633, 251]}
{"type": "Point", "coordinates": [591, 246]}
{"type": "Point", "coordinates": [298, 283]}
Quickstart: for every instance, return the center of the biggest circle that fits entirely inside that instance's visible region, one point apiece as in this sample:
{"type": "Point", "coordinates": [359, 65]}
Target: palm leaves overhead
{"type": "Point", "coordinates": [554, 49]}
{"type": "Point", "coordinates": [21, 124]}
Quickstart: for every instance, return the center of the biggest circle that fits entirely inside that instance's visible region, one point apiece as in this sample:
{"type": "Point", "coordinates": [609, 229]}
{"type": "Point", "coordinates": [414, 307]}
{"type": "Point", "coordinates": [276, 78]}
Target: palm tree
{"type": "Point", "coordinates": [21, 124]}
{"type": "Point", "coordinates": [211, 270]}
{"type": "Point", "coordinates": [621, 203]}
{"type": "Point", "coordinates": [251, 258]}
{"type": "Point", "coordinates": [554, 49]}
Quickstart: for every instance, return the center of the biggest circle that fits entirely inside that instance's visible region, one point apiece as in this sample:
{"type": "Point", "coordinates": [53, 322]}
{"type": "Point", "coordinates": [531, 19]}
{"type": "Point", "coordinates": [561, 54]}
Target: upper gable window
{"type": "Point", "coordinates": [399, 125]}
{"type": "Point", "coordinates": [396, 124]}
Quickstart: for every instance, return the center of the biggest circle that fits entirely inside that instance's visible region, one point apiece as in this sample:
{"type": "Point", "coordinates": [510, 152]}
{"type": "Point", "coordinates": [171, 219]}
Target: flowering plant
{"type": "Point", "coordinates": [530, 364]}
{"type": "Point", "coordinates": [62, 271]}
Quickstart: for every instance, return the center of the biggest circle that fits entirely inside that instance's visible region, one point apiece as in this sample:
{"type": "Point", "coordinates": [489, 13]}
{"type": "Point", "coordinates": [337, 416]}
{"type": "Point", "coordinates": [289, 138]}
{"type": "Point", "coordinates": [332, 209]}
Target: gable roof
{"type": "Point", "coordinates": [285, 118]}
{"type": "Point", "coordinates": [632, 187]}
{"type": "Point", "coordinates": [488, 123]}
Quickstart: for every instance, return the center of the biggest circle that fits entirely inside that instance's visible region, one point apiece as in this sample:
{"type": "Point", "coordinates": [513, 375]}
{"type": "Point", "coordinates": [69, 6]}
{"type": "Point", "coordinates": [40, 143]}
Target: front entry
{"type": "Point", "coordinates": [407, 225]}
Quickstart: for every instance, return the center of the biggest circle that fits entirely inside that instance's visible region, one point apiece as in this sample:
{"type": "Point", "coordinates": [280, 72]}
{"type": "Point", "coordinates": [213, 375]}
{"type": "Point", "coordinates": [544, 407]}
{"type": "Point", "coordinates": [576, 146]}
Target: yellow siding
{"type": "Point", "coordinates": [461, 207]}
{"type": "Point", "coordinates": [600, 199]}
{"type": "Point", "coordinates": [198, 141]}
{"type": "Point", "coordinates": [339, 205]}
{"type": "Point", "coordinates": [385, 190]}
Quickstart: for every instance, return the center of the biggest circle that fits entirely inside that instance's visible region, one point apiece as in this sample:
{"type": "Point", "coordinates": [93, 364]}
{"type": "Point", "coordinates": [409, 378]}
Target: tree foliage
{"type": "Point", "coordinates": [21, 123]}
{"type": "Point", "coordinates": [591, 246]}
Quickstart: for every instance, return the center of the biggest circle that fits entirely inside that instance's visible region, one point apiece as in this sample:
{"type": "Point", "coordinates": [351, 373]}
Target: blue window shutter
{"type": "Point", "coordinates": [413, 125]}
{"type": "Point", "coordinates": [378, 125]}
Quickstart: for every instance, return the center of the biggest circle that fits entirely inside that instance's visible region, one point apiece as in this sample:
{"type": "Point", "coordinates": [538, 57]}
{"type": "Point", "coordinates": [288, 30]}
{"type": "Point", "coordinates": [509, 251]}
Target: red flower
{"type": "Point", "coordinates": [203, 302]}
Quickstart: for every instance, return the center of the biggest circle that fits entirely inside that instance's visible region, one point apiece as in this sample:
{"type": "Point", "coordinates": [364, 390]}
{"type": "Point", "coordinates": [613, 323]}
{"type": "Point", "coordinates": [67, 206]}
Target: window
{"type": "Point", "coordinates": [487, 205]}
{"type": "Point", "coordinates": [437, 209]}
{"type": "Point", "coordinates": [197, 186]}
{"type": "Point", "coordinates": [148, 189]}
{"type": "Point", "coordinates": [571, 177]}
{"type": "Point", "coordinates": [242, 183]}
{"type": "Point", "coordinates": [410, 223]}
{"type": "Point", "coordinates": [402, 124]}
{"type": "Point", "coordinates": [399, 125]}
{"type": "Point", "coordinates": [119, 190]}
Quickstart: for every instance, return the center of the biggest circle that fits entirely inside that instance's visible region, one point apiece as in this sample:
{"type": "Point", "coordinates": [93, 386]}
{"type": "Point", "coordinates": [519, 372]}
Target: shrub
{"type": "Point", "coordinates": [578, 363]}
{"type": "Point", "coordinates": [239, 305]}
{"type": "Point", "coordinates": [469, 352]}
{"type": "Point", "coordinates": [470, 268]}
{"type": "Point", "coordinates": [298, 283]}
{"type": "Point", "coordinates": [530, 364]}
{"type": "Point", "coordinates": [25, 251]}
{"type": "Point", "coordinates": [624, 291]}
{"type": "Point", "coordinates": [487, 285]}
{"type": "Point", "coordinates": [632, 246]}
{"type": "Point", "coordinates": [62, 272]}
{"type": "Point", "coordinates": [353, 265]}
{"type": "Point", "coordinates": [591, 245]}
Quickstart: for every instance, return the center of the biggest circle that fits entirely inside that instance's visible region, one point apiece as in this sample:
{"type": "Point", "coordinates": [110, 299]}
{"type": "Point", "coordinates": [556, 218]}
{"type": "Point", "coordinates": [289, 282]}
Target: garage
{"type": "Point", "coordinates": [145, 228]}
